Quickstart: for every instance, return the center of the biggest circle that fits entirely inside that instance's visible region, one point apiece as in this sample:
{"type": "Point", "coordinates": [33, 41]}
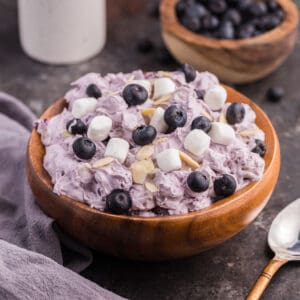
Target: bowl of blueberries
{"type": "Point", "coordinates": [239, 40]}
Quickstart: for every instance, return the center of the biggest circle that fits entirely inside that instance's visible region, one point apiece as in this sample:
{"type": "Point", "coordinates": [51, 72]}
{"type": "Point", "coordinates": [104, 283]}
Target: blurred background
{"type": "Point", "coordinates": [134, 41]}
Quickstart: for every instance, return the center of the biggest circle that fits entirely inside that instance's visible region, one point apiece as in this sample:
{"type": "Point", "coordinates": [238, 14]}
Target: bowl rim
{"type": "Point", "coordinates": [272, 154]}
{"type": "Point", "coordinates": [171, 24]}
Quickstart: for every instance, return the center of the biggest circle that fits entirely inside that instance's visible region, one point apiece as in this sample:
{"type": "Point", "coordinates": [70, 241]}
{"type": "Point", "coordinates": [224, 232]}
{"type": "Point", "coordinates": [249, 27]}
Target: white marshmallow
{"type": "Point", "coordinates": [221, 133]}
{"type": "Point", "coordinates": [144, 83]}
{"type": "Point", "coordinates": [196, 142]}
{"type": "Point", "coordinates": [163, 86]}
{"type": "Point", "coordinates": [117, 148]}
{"type": "Point", "coordinates": [83, 106]}
{"type": "Point", "coordinates": [215, 97]}
{"type": "Point", "coordinates": [169, 160]}
{"type": "Point", "coordinates": [99, 128]}
{"type": "Point", "coordinates": [158, 120]}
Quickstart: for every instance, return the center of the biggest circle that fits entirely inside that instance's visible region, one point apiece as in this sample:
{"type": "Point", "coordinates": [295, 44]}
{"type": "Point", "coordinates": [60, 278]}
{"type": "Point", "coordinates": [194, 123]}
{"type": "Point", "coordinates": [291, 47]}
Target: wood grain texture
{"type": "Point", "coordinates": [159, 238]}
{"type": "Point", "coordinates": [264, 279]}
{"type": "Point", "coordinates": [234, 61]}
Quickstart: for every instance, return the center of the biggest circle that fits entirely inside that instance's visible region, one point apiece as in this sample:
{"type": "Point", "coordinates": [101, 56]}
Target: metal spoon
{"type": "Point", "coordinates": [284, 240]}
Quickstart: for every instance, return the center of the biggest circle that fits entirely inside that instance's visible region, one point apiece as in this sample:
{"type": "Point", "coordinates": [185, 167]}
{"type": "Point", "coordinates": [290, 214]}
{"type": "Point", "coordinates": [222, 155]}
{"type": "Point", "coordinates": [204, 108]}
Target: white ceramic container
{"type": "Point", "coordinates": [62, 31]}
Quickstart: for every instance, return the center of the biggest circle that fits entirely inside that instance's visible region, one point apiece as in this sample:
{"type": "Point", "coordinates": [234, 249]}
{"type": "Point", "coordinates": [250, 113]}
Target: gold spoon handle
{"type": "Point", "coordinates": [265, 277]}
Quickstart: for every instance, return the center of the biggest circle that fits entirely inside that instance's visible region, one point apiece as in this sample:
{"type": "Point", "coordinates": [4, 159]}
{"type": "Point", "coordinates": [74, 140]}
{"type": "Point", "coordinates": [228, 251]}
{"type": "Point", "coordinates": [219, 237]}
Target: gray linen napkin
{"type": "Point", "coordinates": [32, 248]}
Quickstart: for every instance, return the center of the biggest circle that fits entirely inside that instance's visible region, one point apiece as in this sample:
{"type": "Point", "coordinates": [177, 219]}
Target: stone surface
{"type": "Point", "coordinates": [226, 272]}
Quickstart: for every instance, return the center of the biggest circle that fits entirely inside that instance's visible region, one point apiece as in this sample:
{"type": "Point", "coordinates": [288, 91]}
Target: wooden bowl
{"type": "Point", "coordinates": [234, 61]}
{"type": "Point", "coordinates": [155, 238]}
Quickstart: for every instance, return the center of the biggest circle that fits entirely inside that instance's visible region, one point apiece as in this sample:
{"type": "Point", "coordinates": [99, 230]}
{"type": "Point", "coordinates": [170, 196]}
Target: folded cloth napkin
{"type": "Point", "coordinates": [32, 248]}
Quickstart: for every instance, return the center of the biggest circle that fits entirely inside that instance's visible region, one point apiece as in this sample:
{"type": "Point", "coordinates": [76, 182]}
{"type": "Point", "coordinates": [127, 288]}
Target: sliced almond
{"type": "Point", "coordinates": [115, 93]}
{"type": "Point", "coordinates": [148, 112]}
{"type": "Point", "coordinates": [103, 162]}
{"type": "Point", "coordinates": [222, 119]}
{"type": "Point", "coordinates": [164, 74]}
{"type": "Point", "coordinates": [248, 132]}
{"type": "Point", "coordinates": [151, 187]}
{"type": "Point", "coordinates": [88, 166]}
{"type": "Point", "coordinates": [141, 169]}
{"type": "Point", "coordinates": [145, 152]}
{"type": "Point", "coordinates": [162, 99]}
{"type": "Point", "coordinates": [160, 140]}
{"type": "Point", "coordinates": [188, 160]}
{"type": "Point", "coordinates": [205, 114]}
{"type": "Point", "coordinates": [67, 134]}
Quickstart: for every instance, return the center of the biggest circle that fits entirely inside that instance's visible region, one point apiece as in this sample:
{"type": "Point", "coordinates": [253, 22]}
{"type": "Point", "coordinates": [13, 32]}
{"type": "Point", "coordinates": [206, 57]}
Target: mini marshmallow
{"type": "Point", "coordinates": [158, 120]}
{"type": "Point", "coordinates": [163, 86]}
{"type": "Point", "coordinates": [221, 133]}
{"type": "Point", "coordinates": [117, 148]}
{"type": "Point", "coordinates": [99, 128]}
{"type": "Point", "coordinates": [215, 97]}
{"type": "Point", "coordinates": [169, 160]}
{"type": "Point", "coordinates": [83, 106]}
{"type": "Point", "coordinates": [144, 83]}
{"type": "Point", "coordinates": [196, 142]}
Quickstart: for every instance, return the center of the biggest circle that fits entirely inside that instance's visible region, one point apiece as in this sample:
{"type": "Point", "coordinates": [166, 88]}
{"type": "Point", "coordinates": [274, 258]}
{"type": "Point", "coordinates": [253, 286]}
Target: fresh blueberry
{"type": "Point", "coordinates": [197, 182]}
{"type": "Point", "coordinates": [145, 45]}
{"type": "Point", "coordinates": [210, 22]}
{"type": "Point", "coordinates": [144, 135]}
{"type": "Point", "coordinates": [76, 126]}
{"type": "Point", "coordinates": [226, 31]}
{"type": "Point", "coordinates": [235, 113]}
{"type": "Point", "coordinates": [246, 31]}
{"type": "Point", "coordinates": [180, 9]}
{"type": "Point", "coordinates": [225, 185]}
{"type": "Point", "coordinates": [272, 5]}
{"type": "Point", "coordinates": [118, 202]}
{"type": "Point", "coordinates": [191, 23]}
{"type": "Point", "coordinates": [135, 94]}
{"type": "Point", "coordinates": [202, 123]}
{"type": "Point", "coordinates": [93, 91]}
{"type": "Point", "coordinates": [199, 94]}
{"type": "Point", "coordinates": [233, 16]}
{"type": "Point", "coordinates": [189, 72]}
{"type": "Point", "coordinates": [275, 94]}
{"type": "Point", "coordinates": [258, 9]}
{"type": "Point", "coordinates": [84, 148]}
{"type": "Point", "coordinates": [217, 6]}
{"type": "Point", "coordinates": [243, 5]}
{"type": "Point", "coordinates": [260, 148]}
{"type": "Point", "coordinates": [175, 117]}
{"type": "Point", "coordinates": [268, 22]}
{"type": "Point", "coordinates": [280, 14]}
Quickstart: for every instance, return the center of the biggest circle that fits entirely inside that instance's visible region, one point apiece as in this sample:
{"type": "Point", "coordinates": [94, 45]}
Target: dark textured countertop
{"type": "Point", "coordinates": [226, 272]}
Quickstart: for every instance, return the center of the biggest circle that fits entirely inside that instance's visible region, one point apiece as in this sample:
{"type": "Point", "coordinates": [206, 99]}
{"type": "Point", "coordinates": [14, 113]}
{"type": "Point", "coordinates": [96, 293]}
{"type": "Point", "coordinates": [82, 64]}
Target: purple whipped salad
{"type": "Point", "coordinates": [161, 192]}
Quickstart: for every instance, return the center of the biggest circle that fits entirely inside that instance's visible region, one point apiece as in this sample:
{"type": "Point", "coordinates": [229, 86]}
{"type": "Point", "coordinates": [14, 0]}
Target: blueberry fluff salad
{"type": "Point", "coordinates": [229, 19]}
{"type": "Point", "coordinates": [151, 144]}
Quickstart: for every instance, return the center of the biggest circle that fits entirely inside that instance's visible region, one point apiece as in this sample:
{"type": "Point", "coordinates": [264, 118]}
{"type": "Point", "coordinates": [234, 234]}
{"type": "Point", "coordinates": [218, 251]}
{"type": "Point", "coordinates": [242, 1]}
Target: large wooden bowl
{"type": "Point", "coordinates": [156, 238]}
{"type": "Point", "coordinates": [235, 61]}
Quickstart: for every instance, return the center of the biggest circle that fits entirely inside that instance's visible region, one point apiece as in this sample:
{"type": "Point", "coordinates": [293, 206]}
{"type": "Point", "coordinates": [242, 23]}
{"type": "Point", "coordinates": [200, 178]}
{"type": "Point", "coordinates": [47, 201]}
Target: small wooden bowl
{"type": "Point", "coordinates": [234, 61]}
{"type": "Point", "coordinates": [155, 238]}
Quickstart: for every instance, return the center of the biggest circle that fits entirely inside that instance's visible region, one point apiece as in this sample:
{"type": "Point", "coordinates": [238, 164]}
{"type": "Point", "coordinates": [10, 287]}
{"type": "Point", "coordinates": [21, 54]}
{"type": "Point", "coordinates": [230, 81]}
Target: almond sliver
{"type": "Point", "coordinates": [145, 152]}
{"type": "Point", "coordinates": [160, 140]}
{"type": "Point", "coordinates": [151, 187]}
{"type": "Point", "coordinates": [164, 74]}
{"type": "Point", "coordinates": [103, 162]}
{"type": "Point", "coordinates": [148, 112]}
{"type": "Point", "coordinates": [188, 160]}
{"type": "Point", "coordinates": [248, 132]}
{"type": "Point", "coordinates": [141, 169]}
{"type": "Point", "coordinates": [205, 114]}
{"type": "Point", "coordinates": [67, 134]}
{"type": "Point", "coordinates": [162, 99]}
{"type": "Point", "coordinates": [222, 119]}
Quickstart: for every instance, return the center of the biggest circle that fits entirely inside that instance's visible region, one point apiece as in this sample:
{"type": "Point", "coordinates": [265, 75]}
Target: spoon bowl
{"type": "Point", "coordinates": [283, 239]}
